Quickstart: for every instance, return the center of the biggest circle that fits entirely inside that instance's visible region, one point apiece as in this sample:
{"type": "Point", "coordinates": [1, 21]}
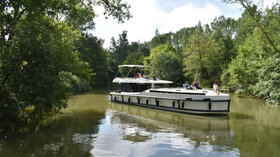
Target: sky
{"type": "Point", "coordinates": [164, 15]}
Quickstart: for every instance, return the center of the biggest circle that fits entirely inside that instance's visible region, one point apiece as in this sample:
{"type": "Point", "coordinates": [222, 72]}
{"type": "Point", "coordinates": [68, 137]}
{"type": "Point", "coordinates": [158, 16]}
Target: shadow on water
{"type": "Point", "coordinates": [234, 115]}
{"type": "Point", "coordinates": [66, 134]}
{"type": "Point", "coordinates": [255, 127]}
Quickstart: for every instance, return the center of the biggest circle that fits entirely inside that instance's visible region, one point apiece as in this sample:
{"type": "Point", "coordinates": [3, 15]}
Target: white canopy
{"type": "Point", "coordinates": [140, 80]}
{"type": "Point", "coordinates": [136, 66]}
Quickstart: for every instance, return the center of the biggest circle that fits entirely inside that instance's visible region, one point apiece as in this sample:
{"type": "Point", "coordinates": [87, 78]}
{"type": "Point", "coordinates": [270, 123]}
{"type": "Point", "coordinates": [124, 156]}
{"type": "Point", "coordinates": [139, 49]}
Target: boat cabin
{"type": "Point", "coordinates": [135, 80]}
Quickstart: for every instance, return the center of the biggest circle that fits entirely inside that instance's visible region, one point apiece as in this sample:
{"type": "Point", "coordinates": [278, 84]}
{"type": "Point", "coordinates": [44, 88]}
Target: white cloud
{"type": "Point", "coordinates": [147, 16]}
{"type": "Point", "coordinates": [269, 3]}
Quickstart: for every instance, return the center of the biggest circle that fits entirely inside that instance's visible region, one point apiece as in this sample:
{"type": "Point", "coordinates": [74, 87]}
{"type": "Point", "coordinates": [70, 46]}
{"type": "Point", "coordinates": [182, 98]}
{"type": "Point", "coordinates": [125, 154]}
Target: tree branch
{"type": "Point", "coordinates": [258, 25]}
{"type": "Point", "coordinates": [8, 29]}
{"type": "Point", "coordinates": [4, 81]}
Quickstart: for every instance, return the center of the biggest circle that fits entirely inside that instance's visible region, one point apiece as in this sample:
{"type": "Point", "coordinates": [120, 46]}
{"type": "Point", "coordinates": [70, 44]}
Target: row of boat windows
{"type": "Point", "coordinates": [134, 87]}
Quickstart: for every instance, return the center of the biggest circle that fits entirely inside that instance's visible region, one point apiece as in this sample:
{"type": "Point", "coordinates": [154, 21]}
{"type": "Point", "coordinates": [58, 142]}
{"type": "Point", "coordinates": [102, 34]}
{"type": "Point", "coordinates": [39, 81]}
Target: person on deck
{"type": "Point", "coordinates": [196, 85]}
{"type": "Point", "coordinates": [140, 75]}
{"type": "Point", "coordinates": [155, 77]}
{"type": "Point", "coordinates": [216, 88]}
{"type": "Point", "coordinates": [186, 85]}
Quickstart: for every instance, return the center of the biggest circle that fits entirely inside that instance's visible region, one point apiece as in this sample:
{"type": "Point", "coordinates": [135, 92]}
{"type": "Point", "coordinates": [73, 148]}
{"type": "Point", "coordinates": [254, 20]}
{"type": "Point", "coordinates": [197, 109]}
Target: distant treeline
{"type": "Point", "coordinates": [241, 55]}
{"type": "Point", "coordinates": [47, 54]}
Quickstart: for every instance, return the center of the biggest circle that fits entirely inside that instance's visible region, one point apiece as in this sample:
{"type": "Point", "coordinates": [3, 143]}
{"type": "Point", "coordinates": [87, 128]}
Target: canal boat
{"type": "Point", "coordinates": [153, 93]}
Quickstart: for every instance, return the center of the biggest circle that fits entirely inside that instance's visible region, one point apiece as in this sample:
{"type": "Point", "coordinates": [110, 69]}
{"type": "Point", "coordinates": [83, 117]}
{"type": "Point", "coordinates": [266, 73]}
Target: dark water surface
{"type": "Point", "coordinates": [94, 126]}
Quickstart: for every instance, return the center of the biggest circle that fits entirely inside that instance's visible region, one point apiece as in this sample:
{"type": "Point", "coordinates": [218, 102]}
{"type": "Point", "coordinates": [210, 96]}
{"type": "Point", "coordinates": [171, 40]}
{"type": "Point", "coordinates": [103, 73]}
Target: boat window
{"type": "Point", "coordinates": [133, 87]}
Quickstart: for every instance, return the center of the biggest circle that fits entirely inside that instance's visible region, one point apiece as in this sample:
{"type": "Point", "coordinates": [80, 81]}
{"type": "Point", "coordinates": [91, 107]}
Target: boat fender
{"type": "Point", "coordinates": [147, 101]}
{"type": "Point", "coordinates": [190, 99]}
{"type": "Point", "coordinates": [173, 104]}
{"type": "Point", "coordinates": [138, 100]}
{"type": "Point", "coordinates": [209, 105]}
{"type": "Point", "coordinates": [128, 100]}
{"type": "Point", "coordinates": [122, 98]}
{"type": "Point", "coordinates": [115, 98]}
{"type": "Point", "coordinates": [183, 105]}
{"type": "Point", "coordinates": [157, 102]}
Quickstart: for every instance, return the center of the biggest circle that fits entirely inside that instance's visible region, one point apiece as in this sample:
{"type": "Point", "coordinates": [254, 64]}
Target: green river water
{"type": "Point", "coordinates": [94, 126]}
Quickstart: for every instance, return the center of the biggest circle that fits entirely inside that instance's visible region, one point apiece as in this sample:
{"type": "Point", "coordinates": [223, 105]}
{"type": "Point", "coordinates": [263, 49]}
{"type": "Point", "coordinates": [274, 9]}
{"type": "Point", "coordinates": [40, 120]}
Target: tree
{"type": "Point", "coordinates": [224, 32]}
{"type": "Point", "coordinates": [269, 85]}
{"type": "Point", "coordinates": [76, 13]}
{"type": "Point", "coordinates": [202, 58]}
{"type": "Point", "coordinates": [144, 49]}
{"type": "Point", "coordinates": [159, 48]}
{"type": "Point", "coordinates": [91, 51]}
{"type": "Point", "coordinates": [119, 49]}
{"type": "Point", "coordinates": [44, 60]}
{"type": "Point", "coordinates": [38, 58]}
{"type": "Point", "coordinates": [160, 39]}
{"type": "Point", "coordinates": [255, 71]}
{"type": "Point", "coordinates": [181, 38]}
{"type": "Point", "coordinates": [165, 63]}
{"type": "Point", "coordinates": [134, 59]}
{"type": "Point", "coordinates": [255, 16]}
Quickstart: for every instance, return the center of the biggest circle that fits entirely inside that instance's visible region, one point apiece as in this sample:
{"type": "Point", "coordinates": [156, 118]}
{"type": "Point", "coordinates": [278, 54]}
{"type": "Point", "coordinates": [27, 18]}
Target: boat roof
{"type": "Point", "coordinates": [132, 66]}
{"type": "Point", "coordinates": [140, 81]}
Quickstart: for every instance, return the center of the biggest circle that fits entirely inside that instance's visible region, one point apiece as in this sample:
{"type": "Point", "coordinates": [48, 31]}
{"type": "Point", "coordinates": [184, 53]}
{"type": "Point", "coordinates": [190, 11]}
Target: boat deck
{"type": "Point", "coordinates": [178, 94]}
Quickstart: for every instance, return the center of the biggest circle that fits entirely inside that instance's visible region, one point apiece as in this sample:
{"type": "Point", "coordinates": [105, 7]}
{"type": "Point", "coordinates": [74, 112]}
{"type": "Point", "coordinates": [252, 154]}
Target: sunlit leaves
{"type": "Point", "coordinates": [165, 63]}
{"type": "Point", "coordinates": [203, 58]}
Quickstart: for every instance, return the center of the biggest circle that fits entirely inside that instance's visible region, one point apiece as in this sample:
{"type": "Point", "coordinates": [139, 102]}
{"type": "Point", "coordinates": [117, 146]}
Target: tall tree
{"type": "Point", "coordinates": [91, 51]}
{"type": "Point", "coordinates": [254, 71]}
{"type": "Point", "coordinates": [224, 32]}
{"type": "Point", "coordinates": [119, 49]}
{"type": "Point", "coordinates": [43, 62]}
{"type": "Point", "coordinates": [165, 63]}
{"type": "Point", "coordinates": [37, 55]}
{"type": "Point", "coordinates": [160, 39]}
{"type": "Point", "coordinates": [202, 58]}
{"type": "Point", "coordinates": [134, 59]}
{"type": "Point", "coordinates": [181, 38]}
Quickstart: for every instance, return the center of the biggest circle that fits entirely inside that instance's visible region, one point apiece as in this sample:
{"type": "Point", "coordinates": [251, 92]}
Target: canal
{"type": "Point", "coordinates": [94, 126]}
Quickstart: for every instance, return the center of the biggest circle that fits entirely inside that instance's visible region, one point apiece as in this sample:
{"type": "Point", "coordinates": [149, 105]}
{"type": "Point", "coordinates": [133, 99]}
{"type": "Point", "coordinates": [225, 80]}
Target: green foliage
{"type": "Point", "coordinates": [244, 69]}
{"type": "Point", "coordinates": [119, 49]}
{"type": "Point", "coordinates": [181, 39]}
{"type": "Point", "coordinates": [91, 51]}
{"type": "Point", "coordinates": [255, 70]}
{"type": "Point", "coordinates": [42, 49]}
{"type": "Point", "coordinates": [165, 63]}
{"type": "Point", "coordinates": [203, 58]}
{"type": "Point", "coordinates": [223, 32]}
{"type": "Point", "coordinates": [159, 39]}
{"type": "Point", "coordinates": [134, 59]}
{"type": "Point", "coordinates": [268, 86]}
{"type": "Point", "coordinates": [79, 85]}
{"type": "Point", "coordinates": [123, 52]}
{"type": "Point", "coordinates": [75, 12]}
{"type": "Point", "coordinates": [39, 64]}
{"type": "Point", "coordinates": [159, 48]}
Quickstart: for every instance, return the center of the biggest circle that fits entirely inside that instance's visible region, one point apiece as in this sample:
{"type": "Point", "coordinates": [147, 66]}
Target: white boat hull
{"type": "Point", "coordinates": [183, 103]}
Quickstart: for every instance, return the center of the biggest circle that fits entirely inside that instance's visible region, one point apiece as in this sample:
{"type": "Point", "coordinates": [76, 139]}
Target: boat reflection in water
{"type": "Point", "coordinates": [132, 130]}
{"type": "Point", "coordinates": [180, 120]}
